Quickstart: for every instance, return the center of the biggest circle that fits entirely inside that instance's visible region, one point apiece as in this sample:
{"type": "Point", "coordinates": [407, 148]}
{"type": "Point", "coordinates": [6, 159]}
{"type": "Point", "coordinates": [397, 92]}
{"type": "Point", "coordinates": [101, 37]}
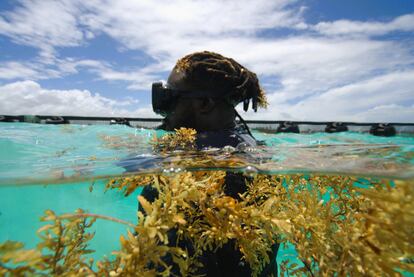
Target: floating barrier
{"type": "Point", "coordinates": [55, 120]}
{"type": "Point", "coordinates": [336, 127]}
{"type": "Point", "coordinates": [11, 118]}
{"type": "Point", "coordinates": [268, 126]}
{"type": "Point", "coordinates": [119, 121]}
{"type": "Point", "coordinates": [288, 127]}
{"type": "Point", "coordinates": [384, 130]}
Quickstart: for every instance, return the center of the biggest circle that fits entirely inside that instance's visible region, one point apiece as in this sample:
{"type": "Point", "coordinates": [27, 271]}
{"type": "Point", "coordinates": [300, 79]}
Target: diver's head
{"type": "Point", "coordinates": [202, 91]}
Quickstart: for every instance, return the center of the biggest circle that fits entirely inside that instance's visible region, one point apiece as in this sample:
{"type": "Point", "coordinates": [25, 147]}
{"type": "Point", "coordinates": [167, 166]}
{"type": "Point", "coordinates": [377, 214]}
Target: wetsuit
{"type": "Point", "coordinates": [225, 261]}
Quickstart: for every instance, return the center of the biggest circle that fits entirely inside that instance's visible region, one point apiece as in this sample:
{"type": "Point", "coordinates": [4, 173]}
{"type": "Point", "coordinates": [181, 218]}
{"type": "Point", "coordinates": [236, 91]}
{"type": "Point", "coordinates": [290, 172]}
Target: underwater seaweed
{"type": "Point", "coordinates": [129, 142]}
{"type": "Point", "coordinates": [61, 252]}
{"type": "Point", "coordinates": [339, 225]}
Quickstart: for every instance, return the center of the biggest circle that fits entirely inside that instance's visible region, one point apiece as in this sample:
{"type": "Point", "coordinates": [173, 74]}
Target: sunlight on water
{"type": "Point", "coordinates": [31, 153]}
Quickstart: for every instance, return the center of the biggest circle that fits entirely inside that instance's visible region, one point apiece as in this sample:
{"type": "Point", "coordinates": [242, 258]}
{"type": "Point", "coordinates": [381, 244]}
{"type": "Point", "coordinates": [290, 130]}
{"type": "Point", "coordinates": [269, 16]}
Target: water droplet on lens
{"type": "Point", "coordinates": [228, 149]}
{"type": "Point", "coordinates": [171, 170]}
{"type": "Point", "coordinates": [242, 147]}
{"type": "Point", "coordinates": [251, 170]}
{"type": "Point", "coordinates": [166, 171]}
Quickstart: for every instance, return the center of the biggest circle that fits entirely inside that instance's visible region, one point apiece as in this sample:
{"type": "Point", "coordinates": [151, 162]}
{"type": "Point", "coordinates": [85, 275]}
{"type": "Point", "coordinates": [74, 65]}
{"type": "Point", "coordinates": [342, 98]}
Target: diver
{"type": "Point", "coordinates": [202, 92]}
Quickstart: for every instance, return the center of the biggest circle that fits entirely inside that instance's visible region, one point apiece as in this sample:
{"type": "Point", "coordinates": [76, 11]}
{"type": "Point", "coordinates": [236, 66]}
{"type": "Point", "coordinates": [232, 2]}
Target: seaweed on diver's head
{"type": "Point", "coordinates": [336, 227]}
{"type": "Point", "coordinates": [209, 71]}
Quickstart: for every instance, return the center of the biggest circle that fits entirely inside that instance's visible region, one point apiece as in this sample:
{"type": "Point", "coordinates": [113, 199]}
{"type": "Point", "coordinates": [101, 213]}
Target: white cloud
{"type": "Point", "coordinates": [23, 70]}
{"type": "Point", "coordinates": [314, 64]}
{"type": "Point", "coordinates": [167, 30]}
{"type": "Point", "coordinates": [138, 24]}
{"type": "Point", "coordinates": [388, 113]}
{"type": "Point", "coordinates": [307, 65]}
{"type": "Point", "coordinates": [348, 101]}
{"type": "Point", "coordinates": [140, 79]}
{"type": "Point", "coordinates": [387, 98]}
{"type": "Point", "coordinates": [137, 79]}
{"type": "Point", "coordinates": [16, 70]}
{"type": "Point", "coordinates": [28, 97]}
{"type": "Point", "coordinates": [35, 70]}
{"type": "Point", "coordinates": [44, 24]}
{"type": "Point", "coordinates": [357, 28]}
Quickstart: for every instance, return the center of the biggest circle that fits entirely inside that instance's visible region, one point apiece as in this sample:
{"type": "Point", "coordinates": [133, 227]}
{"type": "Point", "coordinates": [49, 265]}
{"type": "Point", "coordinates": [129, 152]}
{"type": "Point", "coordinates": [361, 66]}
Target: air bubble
{"type": "Point", "coordinates": [228, 149]}
{"type": "Point", "coordinates": [242, 147]}
{"type": "Point", "coordinates": [251, 171]}
{"type": "Point", "coordinates": [171, 170]}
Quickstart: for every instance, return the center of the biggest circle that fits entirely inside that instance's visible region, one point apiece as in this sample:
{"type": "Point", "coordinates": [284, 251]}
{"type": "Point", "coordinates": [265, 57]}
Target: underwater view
{"type": "Point", "coordinates": [339, 204]}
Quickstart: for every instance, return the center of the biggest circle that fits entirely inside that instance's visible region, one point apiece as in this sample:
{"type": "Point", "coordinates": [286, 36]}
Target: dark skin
{"type": "Point", "coordinates": [201, 114]}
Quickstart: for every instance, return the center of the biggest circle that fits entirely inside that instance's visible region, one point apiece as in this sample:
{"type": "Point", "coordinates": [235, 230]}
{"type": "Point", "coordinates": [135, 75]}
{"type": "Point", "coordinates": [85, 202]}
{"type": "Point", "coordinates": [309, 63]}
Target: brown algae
{"type": "Point", "coordinates": [339, 225]}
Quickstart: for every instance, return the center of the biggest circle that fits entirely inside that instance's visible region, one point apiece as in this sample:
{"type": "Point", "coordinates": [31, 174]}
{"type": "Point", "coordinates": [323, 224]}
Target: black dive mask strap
{"type": "Point", "coordinates": [244, 123]}
{"type": "Point", "coordinates": [164, 96]}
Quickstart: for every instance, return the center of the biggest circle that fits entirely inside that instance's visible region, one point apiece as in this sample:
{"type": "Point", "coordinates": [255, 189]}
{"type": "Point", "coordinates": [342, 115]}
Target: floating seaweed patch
{"type": "Point", "coordinates": [182, 139]}
{"type": "Point", "coordinates": [128, 142]}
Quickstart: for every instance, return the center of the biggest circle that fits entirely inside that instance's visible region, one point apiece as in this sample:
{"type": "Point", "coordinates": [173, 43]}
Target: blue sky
{"type": "Point", "coordinates": [317, 60]}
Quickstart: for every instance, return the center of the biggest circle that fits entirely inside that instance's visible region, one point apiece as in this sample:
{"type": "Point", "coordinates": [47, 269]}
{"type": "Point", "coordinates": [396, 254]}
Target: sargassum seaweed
{"type": "Point", "coordinates": [339, 225]}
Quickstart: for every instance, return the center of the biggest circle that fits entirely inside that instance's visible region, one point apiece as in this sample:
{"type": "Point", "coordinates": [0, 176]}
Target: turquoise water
{"type": "Point", "coordinates": [65, 167]}
{"type": "Point", "coordinates": [41, 157]}
{"type": "Point", "coordinates": [22, 207]}
{"type": "Point", "coordinates": [34, 153]}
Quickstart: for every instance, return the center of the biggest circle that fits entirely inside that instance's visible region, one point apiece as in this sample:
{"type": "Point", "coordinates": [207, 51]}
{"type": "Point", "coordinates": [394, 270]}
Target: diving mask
{"type": "Point", "coordinates": [164, 97]}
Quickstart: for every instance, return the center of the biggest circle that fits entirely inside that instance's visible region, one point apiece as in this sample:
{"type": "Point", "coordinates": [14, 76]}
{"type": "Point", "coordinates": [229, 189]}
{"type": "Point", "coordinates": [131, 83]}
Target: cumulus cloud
{"type": "Point", "coordinates": [160, 27]}
{"type": "Point", "coordinates": [386, 98]}
{"type": "Point", "coordinates": [139, 79]}
{"type": "Point", "coordinates": [16, 70]}
{"type": "Point", "coordinates": [28, 97]}
{"type": "Point", "coordinates": [38, 70]}
{"type": "Point", "coordinates": [333, 61]}
{"type": "Point", "coordinates": [403, 23]}
{"type": "Point", "coordinates": [43, 24]}
{"type": "Point", "coordinates": [305, 65]}
{"type": "Point", "coordinates": [138, 24]}
{"type": "Point", "coordinates": [388, 113]}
